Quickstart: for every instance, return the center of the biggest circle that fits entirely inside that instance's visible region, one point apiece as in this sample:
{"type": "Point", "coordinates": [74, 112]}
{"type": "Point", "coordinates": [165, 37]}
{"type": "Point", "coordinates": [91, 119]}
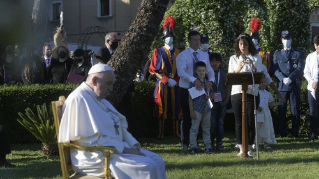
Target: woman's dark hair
{"type": "Point", "coordinates": [247, 41]}
{"type": "Point", "coordinates": [316, 39]}
{"type": "Point", "coordinates": [78, 52]}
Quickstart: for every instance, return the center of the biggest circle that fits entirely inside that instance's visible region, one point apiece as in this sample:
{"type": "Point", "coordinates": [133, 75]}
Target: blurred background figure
{"type": "Point", "coordinates": [34, 70]}
{"type": "Point", "coordinates": [10, 67]}
{"type": "Point", "coordinates": [80, 67]}
{"type": "Point", "coordinates": [60, 66]}
{"type": "Point", "coordinates": [139, 76]}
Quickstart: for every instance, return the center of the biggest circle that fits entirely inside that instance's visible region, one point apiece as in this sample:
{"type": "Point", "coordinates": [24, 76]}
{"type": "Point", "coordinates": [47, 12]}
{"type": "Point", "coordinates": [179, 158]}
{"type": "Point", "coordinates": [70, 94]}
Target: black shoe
{"type": "Point", "coordinates": [194, 150]}
{"type": "Point", "coordinates": [312, 137]}
{"type": "Point", "coordinates": [6, 164]}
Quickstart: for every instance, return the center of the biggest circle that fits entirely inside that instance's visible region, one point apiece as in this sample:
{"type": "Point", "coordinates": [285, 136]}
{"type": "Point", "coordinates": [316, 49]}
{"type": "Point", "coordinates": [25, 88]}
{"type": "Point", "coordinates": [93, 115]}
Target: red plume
{"type": "Point", "coordinates": [169, 20]}
{"type": "Point", "coordinates": [255, 25]}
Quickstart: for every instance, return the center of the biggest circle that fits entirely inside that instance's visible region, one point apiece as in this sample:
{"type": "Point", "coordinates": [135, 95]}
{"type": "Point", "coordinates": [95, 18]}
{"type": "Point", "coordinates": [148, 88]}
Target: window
{"type": "Point", "coordinates": [56, 8]}
{"type": "Point", "coordinates": [104, 8]}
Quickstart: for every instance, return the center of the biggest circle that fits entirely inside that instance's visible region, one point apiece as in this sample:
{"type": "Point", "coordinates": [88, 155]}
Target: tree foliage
{"type": "Point", "coordinates": [224, 20]}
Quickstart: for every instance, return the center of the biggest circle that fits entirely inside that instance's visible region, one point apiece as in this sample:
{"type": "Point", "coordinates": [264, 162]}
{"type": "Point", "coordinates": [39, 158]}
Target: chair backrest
{"type": "Point", "coordinates": [64, 152]}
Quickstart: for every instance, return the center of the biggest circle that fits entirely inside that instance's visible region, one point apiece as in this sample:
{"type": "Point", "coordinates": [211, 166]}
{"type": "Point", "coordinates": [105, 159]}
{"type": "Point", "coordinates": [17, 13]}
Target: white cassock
{"type": "Point", "coordinates": [90, 121]}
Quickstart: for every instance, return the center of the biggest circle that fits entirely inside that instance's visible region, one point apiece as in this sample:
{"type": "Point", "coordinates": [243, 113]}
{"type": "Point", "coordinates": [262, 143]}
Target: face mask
{"type": "Point", "coordinates": [169, 40]}
{"type": "Point", "coordinates": [255, 41]}
{"type": "Point", "coordinates": [62, 54]}
{"type": "Point", "coordinates": [286, 43]}
{"type": "Point", "coordinates": [114, 45]}
{"type": "Point", "coordinates": [48, 53]}
{"type": "Point", "coordinates": [204, 46]}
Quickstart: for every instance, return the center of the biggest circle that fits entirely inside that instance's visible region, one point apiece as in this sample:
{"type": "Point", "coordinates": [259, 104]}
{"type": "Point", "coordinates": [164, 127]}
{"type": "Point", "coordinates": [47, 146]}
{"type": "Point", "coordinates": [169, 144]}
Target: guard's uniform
{"type": "Point", "coordinates": [288, 64]}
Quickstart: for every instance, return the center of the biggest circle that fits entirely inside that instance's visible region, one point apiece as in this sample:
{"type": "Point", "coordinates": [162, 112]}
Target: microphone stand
{"type": "Point", "coordinates": [255, 112]}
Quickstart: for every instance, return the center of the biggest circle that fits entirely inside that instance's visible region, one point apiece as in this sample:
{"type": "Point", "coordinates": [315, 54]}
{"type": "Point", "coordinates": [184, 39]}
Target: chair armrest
{"type": "Point", "coordinates": [108, 149]}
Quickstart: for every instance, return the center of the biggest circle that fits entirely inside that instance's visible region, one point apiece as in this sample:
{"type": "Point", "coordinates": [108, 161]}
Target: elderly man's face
{"type": "Point", "coordinates": [104, 84]}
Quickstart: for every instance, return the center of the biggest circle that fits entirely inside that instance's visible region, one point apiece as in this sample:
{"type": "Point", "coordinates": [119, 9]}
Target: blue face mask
{"type": "Point", "coordinates": [286, 43]}
{"type": "Point", "coordinates": [255, 41]}
{"type": "Point", "coordinates": [204, 46]}
{"type": "Point", "coordinates": [169, 40]}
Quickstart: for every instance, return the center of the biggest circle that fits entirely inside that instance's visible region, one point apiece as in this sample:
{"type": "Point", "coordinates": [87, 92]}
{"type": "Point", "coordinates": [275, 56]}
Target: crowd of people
{"type": "Point", "coordinates": [191, 90]}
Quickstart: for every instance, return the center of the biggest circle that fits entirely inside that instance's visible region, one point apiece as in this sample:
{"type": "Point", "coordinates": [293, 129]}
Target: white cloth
{"type": "Point", "coordinates": [257, 62]}
{"type": "Point", "coordinates": [266, 129]}
{"type": "Point", "coordinates": [287, 81]}
{"type": "Point", "coordinates": [89, 121]}
{"type": "Point", "coordinates": [185, 69]}
{"type": "Point", "coordinates": [100, 67]}
{"type": "Point", "coordinates": [171, 82]}
{"type": "Point", "coordinates": [311, 70]}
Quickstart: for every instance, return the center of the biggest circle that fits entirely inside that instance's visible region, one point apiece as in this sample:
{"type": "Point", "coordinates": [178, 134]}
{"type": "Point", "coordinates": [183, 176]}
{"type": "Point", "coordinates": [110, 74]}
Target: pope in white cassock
{"type": "Point", "coordinates": [90, 120]}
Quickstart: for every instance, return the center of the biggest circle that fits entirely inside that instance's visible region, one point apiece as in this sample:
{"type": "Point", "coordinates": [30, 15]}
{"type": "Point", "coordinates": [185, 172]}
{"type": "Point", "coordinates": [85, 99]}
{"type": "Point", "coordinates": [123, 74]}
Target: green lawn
{"type": "Point", "coordinates": [290, 158]}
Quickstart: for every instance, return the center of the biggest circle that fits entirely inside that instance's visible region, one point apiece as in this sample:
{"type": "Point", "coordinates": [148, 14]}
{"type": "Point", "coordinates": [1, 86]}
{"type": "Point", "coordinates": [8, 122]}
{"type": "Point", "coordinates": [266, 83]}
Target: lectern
{"type": "Point", "coordinates": [244, 79]}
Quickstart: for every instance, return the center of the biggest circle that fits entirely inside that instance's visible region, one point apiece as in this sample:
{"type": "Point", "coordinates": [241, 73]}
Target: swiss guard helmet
{"type": "Point", "coordinates": [168, 26]}
{"type": "Point", "coordinates": [255, 25]}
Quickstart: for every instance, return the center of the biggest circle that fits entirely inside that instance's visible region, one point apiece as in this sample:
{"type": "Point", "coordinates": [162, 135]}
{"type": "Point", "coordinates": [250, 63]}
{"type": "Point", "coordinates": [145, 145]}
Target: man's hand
{"type": "Point", "coordinates": [198, 84]}
{"type": "Point", "coordinates": [209, 85]}
{"type": "Point", "coordinates": [259, 109]}
{"type": "Point", "coordinates": [192, 115]}
{"type": "Point", "coordinates": [281, 98]}
{"type": "Point", "coordinates": [171, 82]}
{"type": "Point", "coordinates": [314, 85]}
{"type": "Point", "coordinates": [132, 151]}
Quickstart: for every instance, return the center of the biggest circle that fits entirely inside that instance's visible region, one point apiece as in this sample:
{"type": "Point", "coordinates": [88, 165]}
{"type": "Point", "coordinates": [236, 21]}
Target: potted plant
{"type": "Point", "coordinates": [42, 127]}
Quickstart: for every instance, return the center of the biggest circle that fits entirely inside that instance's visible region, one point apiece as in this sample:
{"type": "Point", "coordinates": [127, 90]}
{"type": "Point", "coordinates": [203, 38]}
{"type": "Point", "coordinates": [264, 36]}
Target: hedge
{"type": "Point", "coordinates": [14, 99]}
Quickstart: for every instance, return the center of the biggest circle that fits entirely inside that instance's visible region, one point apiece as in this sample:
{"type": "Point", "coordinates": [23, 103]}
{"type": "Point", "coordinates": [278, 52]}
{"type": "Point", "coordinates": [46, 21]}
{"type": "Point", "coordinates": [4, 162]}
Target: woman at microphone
{"type": "Point", "coordinates": [246, 59]}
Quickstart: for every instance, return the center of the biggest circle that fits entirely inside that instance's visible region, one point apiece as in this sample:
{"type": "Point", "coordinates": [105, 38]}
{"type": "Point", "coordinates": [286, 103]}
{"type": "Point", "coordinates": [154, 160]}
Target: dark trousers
{"type": "Point", "coordinates": [186, 119]}
{"type": "Point", "coordinates": [294, 99]}
{"type": "Point", "coordinates": [237, 106]}
{"type": "Point", "coordinates": [4, 140]}
{"type": "Point", "coordinates": [217, 123]}
{"type": "Point", "coordinates": [313, 119]}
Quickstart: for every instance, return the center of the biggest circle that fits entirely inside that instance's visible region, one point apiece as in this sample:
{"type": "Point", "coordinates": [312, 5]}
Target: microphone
{"type": "Point", "coordinates": [246, 59]}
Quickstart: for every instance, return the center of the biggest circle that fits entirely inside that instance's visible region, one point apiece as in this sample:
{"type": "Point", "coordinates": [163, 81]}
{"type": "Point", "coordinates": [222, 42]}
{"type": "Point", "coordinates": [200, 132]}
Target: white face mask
{"type": "Point", "coordinates": [204, 46]}
{"type": "Point", "coordinates": [286, 43]}
{"type": "Point", "coordinates": [169, 40]}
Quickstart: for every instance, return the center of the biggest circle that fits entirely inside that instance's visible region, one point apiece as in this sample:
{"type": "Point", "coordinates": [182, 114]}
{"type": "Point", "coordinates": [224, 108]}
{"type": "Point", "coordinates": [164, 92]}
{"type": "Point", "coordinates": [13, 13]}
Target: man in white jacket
{"type": "Point", "coordinates": [311, 74]}
{"type": "Point", "coordinates": [90, 120]}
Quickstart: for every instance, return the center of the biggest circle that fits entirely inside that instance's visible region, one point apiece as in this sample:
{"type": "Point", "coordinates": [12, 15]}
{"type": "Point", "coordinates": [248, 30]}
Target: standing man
{"type": "Point", "coordinates": [166, 94]}
{"type": "Point", "coordinates": [105, 53]}
{"type": "Point", "coordinates": [185, 68]}
{"type": "Point", "coordinates": [288, 69]}
{"type": "Point", "coordinates": [255, 25]}
{"type": "Point", "coordinates": [46, 58]}
{"type": "Point", "coordinates": [204, 44]}
{"type": "Point", "coordinates": [311, 74]}
{"type": "Point", "coordinates": [103, 56]}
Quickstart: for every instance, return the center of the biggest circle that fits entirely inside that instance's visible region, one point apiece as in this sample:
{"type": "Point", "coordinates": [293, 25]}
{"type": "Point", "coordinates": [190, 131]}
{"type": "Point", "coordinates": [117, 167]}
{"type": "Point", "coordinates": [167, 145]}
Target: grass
{"type": "Point", "coordinates": [290, 158]}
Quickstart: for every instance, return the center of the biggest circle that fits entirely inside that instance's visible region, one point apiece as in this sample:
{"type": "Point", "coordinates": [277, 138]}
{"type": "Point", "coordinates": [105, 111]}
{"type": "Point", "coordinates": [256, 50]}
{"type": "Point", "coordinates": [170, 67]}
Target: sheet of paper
{"type": "Point", "coordinates": [195, 93]}
{"type": "Point", "coordinates": [260, 118]}
{"type": "Point", "coordinates": [313, 94]}
{"type": "Point", "coordinates": [210, 104]}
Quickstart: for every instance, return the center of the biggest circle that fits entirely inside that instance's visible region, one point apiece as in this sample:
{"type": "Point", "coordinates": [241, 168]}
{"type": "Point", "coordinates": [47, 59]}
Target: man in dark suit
{"type": "Point", "coordinates": [288, 69]}
{"type": "Point", "coordinates": [103, 56]}
{"type": "Point", "coordinates": [46, 59]}
{"type": "Point", "coordinates": [105, 53]}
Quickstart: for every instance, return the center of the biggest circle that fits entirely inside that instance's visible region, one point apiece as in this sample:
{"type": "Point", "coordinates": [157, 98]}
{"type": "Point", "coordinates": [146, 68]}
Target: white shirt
{"type": "Point", "coordinates": [311, 69]}
{"type": "Point", "coordinates": [169, 47]}
{"type": "Point", "coordinates": [185, 68]}
{"type": "Point", "coordinates": [257, 62]}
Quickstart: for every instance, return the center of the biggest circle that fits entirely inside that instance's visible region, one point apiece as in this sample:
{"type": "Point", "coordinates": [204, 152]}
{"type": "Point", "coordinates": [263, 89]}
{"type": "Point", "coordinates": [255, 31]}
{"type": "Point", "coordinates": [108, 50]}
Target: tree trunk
{"type": "Point", "coordinates": [135, 46]}
{"type": "Point", "coordinates": [40, 19]}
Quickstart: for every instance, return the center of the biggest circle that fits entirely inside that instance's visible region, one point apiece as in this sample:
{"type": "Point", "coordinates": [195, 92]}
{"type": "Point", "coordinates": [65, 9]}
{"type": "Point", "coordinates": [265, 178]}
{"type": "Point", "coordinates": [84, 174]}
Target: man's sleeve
{"type": "Point", "coordinates": [181, 63]}
{"type": "Point", "coordinates": [276, 69]}
{"type": "Point", "coordinates": [307, 71]}
{"type": "Point", "coordinates": [210, 72]}
{"type": "Point", "coordinates": [156, 65]}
